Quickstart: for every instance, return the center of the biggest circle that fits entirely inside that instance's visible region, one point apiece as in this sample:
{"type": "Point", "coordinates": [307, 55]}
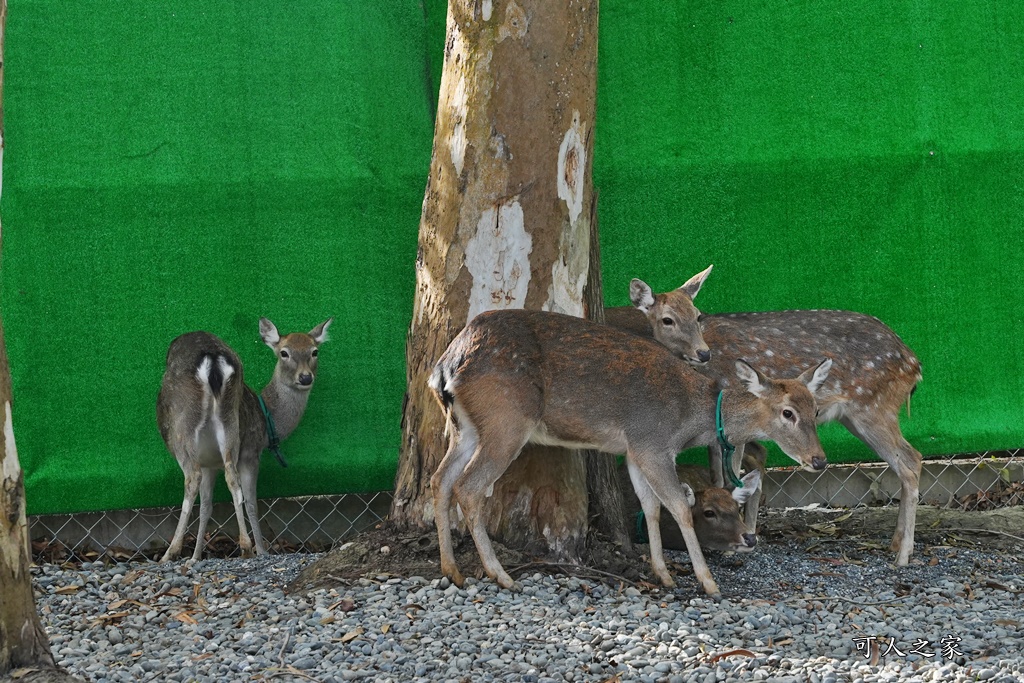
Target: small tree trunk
{"type": "Point", "coordinates": [606, 506]}
{"type": "Point", "coordinates": [23, 642]}
{"type": "Point", "coordinates": [505, 224]}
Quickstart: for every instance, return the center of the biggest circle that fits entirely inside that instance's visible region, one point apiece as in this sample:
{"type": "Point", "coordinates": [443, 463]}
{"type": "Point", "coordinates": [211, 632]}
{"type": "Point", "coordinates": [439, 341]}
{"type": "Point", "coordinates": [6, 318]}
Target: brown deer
{"type": "Point", "coordinates": [873, 373]}
{"type": "Point", "coordinates": [514, 377]}
{"type": "Point", "coordinates": [717, 519]}
{"type": "Point", "coordinates": [210, 420]}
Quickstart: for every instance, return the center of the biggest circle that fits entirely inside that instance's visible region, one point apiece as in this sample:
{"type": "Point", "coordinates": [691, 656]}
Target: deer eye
{"type": "Point", "coordinates": [787, 413]}
{"type": "Point", "coordinates": [314, 353]}
{"type": "Point", "coordinates": [284, 353]}
{"type": "Point", "coordinates": [709, 514]}
{"type": "Point", "coordinates": [667, 321]}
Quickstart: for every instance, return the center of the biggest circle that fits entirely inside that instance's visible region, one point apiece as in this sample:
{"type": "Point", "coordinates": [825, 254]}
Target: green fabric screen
{"type": "Point", "coordinates": [198, 166]}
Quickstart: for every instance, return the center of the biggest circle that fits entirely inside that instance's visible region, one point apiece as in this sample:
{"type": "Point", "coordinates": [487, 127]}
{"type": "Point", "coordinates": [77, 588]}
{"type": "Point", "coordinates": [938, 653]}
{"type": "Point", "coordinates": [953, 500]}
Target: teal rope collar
{"type": "Point", "coordinates": [275, 441]}
{"type": "Point", "coordinates": [727, 448]}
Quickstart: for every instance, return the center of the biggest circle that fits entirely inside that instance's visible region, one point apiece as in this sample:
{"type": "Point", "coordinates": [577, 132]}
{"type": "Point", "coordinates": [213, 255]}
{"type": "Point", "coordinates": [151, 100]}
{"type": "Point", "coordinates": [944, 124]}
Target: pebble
{"type": "Point", "coordinates": [785, 617]}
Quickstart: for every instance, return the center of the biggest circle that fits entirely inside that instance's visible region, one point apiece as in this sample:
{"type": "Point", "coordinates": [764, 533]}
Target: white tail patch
{"type": "Point", "coordinates": [226, 370]}
{"type": "Point", "coordinates": [203, 371]}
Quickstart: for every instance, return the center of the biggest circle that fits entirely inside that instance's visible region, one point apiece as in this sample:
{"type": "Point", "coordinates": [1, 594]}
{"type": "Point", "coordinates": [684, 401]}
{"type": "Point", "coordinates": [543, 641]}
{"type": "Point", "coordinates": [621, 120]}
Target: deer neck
{"type": "Point", "coordinates": [286, 406]}
{"type": "Point", "coordinates": [741, 416]}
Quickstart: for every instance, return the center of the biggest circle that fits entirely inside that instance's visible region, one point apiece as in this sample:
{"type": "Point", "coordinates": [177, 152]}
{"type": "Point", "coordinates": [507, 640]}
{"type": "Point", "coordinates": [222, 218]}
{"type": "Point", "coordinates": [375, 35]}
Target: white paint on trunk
{"type": "Point", "coordinates": [569, 274]}
{"type": "Point", "coordinates": [515, 24]}
{"type": "Point", "coordinates": [572, 164]}
{"type": "Point", "coordinates": [485, 10]}
{"type": "Point", "coordinates": [459, 112]}
{"type": "Point", "coordinates": [498, 258]}
{"type": "Point", "coordinates": [12, 468]}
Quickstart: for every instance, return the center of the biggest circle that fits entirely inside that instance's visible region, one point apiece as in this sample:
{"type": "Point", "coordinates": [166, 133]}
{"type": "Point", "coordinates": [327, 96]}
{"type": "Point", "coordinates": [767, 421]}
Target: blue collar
{"type": "Point", "coordinates": [727, 448]}
{"type": "Point", "coordinates": [272, 437]}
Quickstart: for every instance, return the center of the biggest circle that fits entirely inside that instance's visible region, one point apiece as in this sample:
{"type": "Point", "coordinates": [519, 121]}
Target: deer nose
{"type": "Point", "coordinates": [704, 355]}
{"type": "Point", "coordinates": [750, 540]}
{"type": "Point", "coordinates": [818, 462]}
{"type": "Point", "coordinates": [305, 379]}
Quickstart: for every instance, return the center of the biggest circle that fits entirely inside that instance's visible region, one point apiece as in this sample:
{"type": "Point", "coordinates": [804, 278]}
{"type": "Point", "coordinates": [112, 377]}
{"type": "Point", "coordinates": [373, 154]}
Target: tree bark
{"type": "Point", "coordinates": [506, 223]}
{"type": "Point", "coordinates": [607, 509]}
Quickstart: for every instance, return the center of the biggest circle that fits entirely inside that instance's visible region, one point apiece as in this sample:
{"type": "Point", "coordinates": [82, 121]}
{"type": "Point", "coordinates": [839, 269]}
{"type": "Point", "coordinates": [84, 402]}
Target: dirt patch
{"type": "Point", "coordinates": [386, 552]}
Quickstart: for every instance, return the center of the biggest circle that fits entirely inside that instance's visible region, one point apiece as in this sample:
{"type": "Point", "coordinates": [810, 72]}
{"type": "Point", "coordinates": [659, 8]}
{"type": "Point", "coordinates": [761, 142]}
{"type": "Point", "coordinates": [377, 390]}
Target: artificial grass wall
{"type": "Point", "coordinates": [198, 166]}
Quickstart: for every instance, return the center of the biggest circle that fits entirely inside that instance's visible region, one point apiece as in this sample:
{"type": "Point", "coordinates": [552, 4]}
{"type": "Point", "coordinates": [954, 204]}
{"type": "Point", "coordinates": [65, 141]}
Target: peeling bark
{"type": "Point", "coordinates": [502, 227]}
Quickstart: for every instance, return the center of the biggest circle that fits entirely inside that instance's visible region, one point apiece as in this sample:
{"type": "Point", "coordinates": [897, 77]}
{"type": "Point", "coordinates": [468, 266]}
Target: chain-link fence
{"type": "Point", "coordinates": [310, 524]}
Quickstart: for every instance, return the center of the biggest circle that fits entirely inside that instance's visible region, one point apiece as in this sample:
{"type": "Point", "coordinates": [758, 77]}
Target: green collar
{"type": "Point", "coordinates": [727, 448]}
{"type": "Point", "coordinates": [275, 441]}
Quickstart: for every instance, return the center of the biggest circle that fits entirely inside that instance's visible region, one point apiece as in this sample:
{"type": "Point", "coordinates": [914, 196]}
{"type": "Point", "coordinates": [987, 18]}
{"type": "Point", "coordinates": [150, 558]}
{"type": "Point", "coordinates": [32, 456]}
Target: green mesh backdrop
{"type": "Point", "coordinates": [198, 166]}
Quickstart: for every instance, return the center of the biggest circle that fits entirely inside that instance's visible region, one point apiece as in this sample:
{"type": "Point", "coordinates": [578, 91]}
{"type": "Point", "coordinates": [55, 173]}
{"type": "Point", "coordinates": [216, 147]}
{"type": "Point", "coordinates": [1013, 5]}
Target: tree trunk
{"type": "Point", "coordinates": [506, 223]}
{"type": "Point", "coordinates": [606, 505]}
{"type": "Point", "coordinates": [23, 643]}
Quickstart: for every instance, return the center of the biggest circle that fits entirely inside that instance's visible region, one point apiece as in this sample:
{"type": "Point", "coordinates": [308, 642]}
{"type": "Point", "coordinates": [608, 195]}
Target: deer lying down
{"type": "Point", "coordinates": [717, 516]}
{"type": "Point", "coordinates": [873, 373]}
{"type": "Point", "coordinates": [717, 520]}
{"type": "Point", "coordinates": [515, 377]}
{"type": "Point", "coordinates": [210, 420]}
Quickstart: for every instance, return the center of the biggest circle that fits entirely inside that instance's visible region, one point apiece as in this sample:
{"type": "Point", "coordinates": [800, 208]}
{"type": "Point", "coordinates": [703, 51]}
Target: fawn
{"type": "Point", "coordinates": [873, 373]}
{"type": "Point", "coordinates": [210, 420]}
{"type": "Point", "coordinates": [513, 377]}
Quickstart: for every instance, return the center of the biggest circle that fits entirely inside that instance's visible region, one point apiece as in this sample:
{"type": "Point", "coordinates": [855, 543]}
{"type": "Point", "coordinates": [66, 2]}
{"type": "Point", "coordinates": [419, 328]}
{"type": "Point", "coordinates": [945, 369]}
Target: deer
{"type": "Point", "coordinates": [211, 420]}
{"type": "Point", "coordinates": [717, 519]}
{"type": "Point", "coordinates": [513, 377]}
{"type": "Point", "coordinates": [874, 373]}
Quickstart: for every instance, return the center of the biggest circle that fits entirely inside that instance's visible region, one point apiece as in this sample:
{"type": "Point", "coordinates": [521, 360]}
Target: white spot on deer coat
{"type": "Point", "coordinates": [572, 164]}
{"type": "Point", "coordinates": [498, 258]}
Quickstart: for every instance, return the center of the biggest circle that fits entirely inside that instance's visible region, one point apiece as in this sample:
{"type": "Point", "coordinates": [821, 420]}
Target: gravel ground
{"type": "Point", "coordinates": [790, 614]}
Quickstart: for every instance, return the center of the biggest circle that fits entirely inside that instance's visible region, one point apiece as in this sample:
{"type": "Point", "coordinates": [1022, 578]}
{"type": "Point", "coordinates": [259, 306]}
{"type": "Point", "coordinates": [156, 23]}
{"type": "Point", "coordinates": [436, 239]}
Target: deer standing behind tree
{"type": "Point", "coordinates": [210, 420]}
{"type": "Point", "coordinates": [514, 377]}
{"type": "Point", "coordinates": [873, 373]}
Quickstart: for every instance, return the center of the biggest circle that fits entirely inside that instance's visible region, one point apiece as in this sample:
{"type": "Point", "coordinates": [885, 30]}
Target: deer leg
{"type": "Point", "coordinates": [883, 436]}
{"type": "Point", "coordinates": [209, 477]}
{"type": "Point", "coordinates": [247, 475]}
{"type": "Point", "coordinates": [231, 477]}
{"type": "Point", "coordinates": [462, 445]}
{"type": "Point", "coordinates": [660, 472]}
{"type": "Point", "coordinates": [754, 456]}
{"type": "Point", "coordinates": [715, 465]}
{"type": "Point", "coordinates": [192, 475]}
{"type": "Point", "coordinates": [652, 515]}
{"type": "Point", "coordinates": [473, 486]}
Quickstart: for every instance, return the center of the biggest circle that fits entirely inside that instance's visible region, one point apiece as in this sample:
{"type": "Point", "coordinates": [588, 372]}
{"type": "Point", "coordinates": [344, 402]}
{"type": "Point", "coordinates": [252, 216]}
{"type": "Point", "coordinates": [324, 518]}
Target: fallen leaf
{"type": "Point", "coordinates": [1007, 622]}
{"type": "Point", "coordinates": [730, 653]}
{"type": "Point", "coordinates": [934, 561]}
{"type": "Point", "coordinates": [352, 635]}
{"type": "Point", "coordinates": [185, 618]}
{"type": "Point", "coordinates": [385, 628]}
{"type": "Point", "coordinates": [67, 590]}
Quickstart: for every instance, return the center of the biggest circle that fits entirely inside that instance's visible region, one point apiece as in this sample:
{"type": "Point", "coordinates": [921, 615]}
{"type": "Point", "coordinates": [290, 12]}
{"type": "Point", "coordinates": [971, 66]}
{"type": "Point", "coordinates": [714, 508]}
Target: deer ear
{"type": "Point", "coordinates": [269, 332]}
{"type": "Point", "coordinates": [750, 483]}
{"type": "Point", "coordinates": [691, 498]}
{"type": "Point", "coordinates": [752, 380]}
{"type": "Point", "coordinates": [693, 285]}
{"type": "Point", "coordinates": [641, 295]}
{"type": "Point", "coordinates": [319, 333]}
{"type": "Point", "coordinates": [816, 377]}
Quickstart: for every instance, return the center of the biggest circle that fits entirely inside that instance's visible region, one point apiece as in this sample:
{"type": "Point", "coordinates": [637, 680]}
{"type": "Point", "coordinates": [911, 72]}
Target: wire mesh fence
{"type": "Point", "coordinates": [315, 523]}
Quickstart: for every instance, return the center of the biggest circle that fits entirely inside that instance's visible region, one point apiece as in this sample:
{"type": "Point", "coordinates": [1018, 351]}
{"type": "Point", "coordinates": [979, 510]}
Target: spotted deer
{"type": "Point", "coordinates": [717, 519]}
{"type": "Point", "coordinates": [210, 420]}
{"type": "Point", "coordinates": [873, 373]}
{"type": "Point", "coordinates": [514, 377]}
